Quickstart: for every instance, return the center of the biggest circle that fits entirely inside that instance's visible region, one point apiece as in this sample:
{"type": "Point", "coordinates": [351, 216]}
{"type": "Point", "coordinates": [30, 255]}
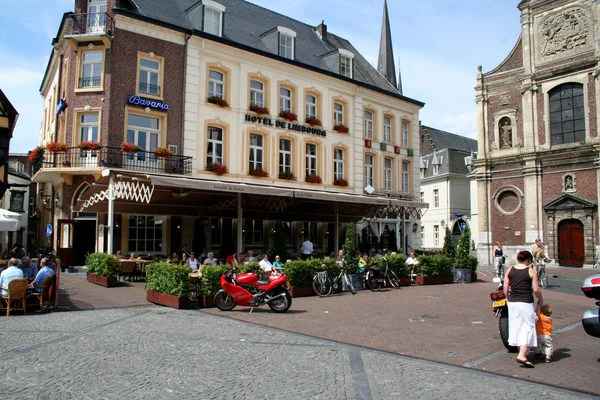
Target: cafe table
{"type": "Point", "coordinates": [195, 280]}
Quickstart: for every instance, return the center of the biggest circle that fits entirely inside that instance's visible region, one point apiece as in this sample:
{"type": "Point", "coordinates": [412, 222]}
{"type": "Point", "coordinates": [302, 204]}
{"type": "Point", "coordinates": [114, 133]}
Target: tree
{"type": "Point", "coordinates": [449, 250]}
{"type": "Point", "coordinates": [462, 260]}
{"type": "Point", "coordinates": [350, 256]}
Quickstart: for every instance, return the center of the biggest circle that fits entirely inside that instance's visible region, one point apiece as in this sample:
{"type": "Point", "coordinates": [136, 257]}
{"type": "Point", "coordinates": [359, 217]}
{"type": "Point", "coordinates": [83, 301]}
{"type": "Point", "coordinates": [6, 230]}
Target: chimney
{"type": "Point", "coordinates": [322, 31]}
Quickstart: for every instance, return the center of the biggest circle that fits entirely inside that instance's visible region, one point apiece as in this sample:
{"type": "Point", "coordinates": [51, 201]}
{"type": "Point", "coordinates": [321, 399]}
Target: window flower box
{"type": "Point", "coordinates": [397, 149]}
{"type": "Point", "coordinates": [288, 116]}
{"type": "Point", "coordinates": [218, 101]}
{"type": "Point", "coordinates": [90, 145]}
{"type": "Point", "coordinates": [341, 128]}
{"type": "Point", "coordinates": [368, 143]}
{"type": "Point", "coordinates": [216, 168]}
{"type": "Point", "coordinates": [313, 178]}
{"type": "Point", "coordinates": [258, 172]}
{"type": "Point", "coordinates": [36, 155]}
{"type": "Point", "coordinates": [162, 152]}
{"type": "Point", "coordinates": [287, 176]}
{"type": "Point", "coordinates": [130, 148]}
{"type": "Point", "coordinates": [56, 147]}
{"type": "Point", "coordinates": [340, 182]}
{"type": "Point", "coordinates": [259, 110]}
{"type": "Point", "coordinates": [313, 121]}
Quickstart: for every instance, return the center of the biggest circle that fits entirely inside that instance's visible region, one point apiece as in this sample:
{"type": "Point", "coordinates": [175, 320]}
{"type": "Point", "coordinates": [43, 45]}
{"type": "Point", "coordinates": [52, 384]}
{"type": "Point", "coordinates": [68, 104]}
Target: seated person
{"type": "Point", "coordinates": [278, 265]}
{"type": "Point", "coordinates": [411, 263]}
{"type": "Point", "coordinates": [266, 265]}
{"type": "Point", "coordinates": [174, 259]}
{"type": "Point", "coordinates": [44, 273]}
{"type": "Point", "coordinates": [10, 273]}
{"type": "Point", "coordinates": [210, 259]}
{"type": "Point", "coordinates": [29, 269]}
{"type": "Point", "coordinates": [193, 262]}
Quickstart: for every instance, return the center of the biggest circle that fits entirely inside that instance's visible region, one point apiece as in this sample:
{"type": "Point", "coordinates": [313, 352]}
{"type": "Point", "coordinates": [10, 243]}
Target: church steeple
{"type": "Point", "coordinates": [385, 66]}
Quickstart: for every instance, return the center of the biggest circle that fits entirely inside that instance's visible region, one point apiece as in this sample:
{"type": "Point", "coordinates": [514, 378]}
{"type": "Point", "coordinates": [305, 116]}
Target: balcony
{"type": "Point", "coordinates": [81, 161]}
{"type": "Point", "coordinates": [90, 27]}
{"type": "Point", "coordinates": [147, 88]}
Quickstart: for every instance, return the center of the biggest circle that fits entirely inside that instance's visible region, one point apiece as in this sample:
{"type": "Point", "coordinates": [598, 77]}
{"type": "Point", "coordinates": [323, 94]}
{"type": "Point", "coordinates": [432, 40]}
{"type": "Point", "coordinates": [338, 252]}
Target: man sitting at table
{"type": "Point", "coordinates": [10, 273]}
{"type": "Point", "coordinates": [44, 273]}
{"type": "Point", "coordinates": [266, 265]}
{"type": "Point", "coordinates": [30, 270]}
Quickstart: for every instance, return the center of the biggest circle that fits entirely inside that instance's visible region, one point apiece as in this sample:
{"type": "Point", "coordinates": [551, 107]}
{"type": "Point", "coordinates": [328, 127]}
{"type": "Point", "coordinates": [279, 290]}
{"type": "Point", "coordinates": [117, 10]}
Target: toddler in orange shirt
{"type": "Point", "coordinates": [543, 328]}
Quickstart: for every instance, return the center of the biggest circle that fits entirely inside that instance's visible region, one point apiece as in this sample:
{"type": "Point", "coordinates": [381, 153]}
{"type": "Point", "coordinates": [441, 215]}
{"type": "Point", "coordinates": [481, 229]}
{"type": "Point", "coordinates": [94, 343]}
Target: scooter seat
{"type": "Point", "coordinates": [263, 283]}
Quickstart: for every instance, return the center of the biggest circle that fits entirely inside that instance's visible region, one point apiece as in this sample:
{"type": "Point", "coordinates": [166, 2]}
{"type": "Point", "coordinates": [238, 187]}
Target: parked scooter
{"type": "Point", "coordinates": [500, 309]}
{"type": "Point", "coordinates": [591, 318]}
{"type": "Point", "coordinates": [248, 290]}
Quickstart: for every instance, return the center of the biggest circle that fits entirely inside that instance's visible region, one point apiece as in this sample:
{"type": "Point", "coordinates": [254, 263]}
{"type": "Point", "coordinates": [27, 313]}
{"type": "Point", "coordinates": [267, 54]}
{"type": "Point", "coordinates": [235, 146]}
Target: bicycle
{"type": "Point", "coordinates": [375, 280]}
{"type": "Point", "coordinates": [540, 267]}
{"type": "Point", "coordinates": [597, 263]}
{"type": "Point", "coordinates": [323, 284]}
{"type": "Point", "coordinates": [500, 266]}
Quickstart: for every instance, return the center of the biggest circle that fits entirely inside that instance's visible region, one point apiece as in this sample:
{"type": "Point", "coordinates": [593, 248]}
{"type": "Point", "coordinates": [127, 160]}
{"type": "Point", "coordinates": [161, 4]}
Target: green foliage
{"type": "Point", "coordinates": [436, 265]}
{"type": "Point", "coordinates": [102, 264]}
{"type": "Point", "coordinates": [252, 267]}
{"type": "Point", "coordinates": [397, 264]}
{"type": "Point", "coordinates": [464, 260]}
{"type": "Point", "coordinates": [168, 278]}
{"type": "Point", "coordinates": [350, 256]}
{"type": "Point", "coordinates": [279, 246]}
{"type": "Point", "coordinates": [211, 279]}
{"type": "Point", "coordinates": [301, 273]}
{"type": "Point", "coordinates": [448, 250]}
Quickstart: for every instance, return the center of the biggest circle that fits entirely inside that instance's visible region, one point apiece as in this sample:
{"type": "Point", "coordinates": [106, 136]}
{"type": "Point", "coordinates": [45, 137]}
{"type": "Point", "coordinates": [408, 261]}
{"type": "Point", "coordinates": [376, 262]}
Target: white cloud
{"type": "Point", "coordinates": [15, 77]}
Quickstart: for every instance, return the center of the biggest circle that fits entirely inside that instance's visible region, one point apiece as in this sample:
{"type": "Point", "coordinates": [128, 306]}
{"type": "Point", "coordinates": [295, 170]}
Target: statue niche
{"type": "Point", "coordinates": [505, 131]}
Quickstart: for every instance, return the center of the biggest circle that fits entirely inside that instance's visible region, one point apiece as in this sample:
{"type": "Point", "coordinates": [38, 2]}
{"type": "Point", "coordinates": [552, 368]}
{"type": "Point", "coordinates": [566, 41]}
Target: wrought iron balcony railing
{"type": "Point", "coordinates": [150, 89]}
{"type": "Point", "coordinates": [91, 82]}
{"type": "Point", "coordinates": [113, 157]}
{"type": "Point", "coordinates": [90, 23]}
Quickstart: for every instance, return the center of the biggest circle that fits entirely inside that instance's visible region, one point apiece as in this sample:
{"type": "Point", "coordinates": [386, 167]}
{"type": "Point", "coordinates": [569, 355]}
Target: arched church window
{"type": "Point", "coordinates": [567, 114]}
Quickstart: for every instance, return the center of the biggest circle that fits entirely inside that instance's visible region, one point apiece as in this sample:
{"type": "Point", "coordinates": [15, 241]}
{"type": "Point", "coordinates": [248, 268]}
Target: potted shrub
{"type": "Point", "coordinates": [397, 263]}
{"type": "Point", "coordinates": [168, 284]}
{"type": "Point", "coordinates": [259, 110]}
{"type": "Point", "coordinates": [313, 121]}
{"type": "Point", "coordinates": [300, 274]}
{"type": "Point", "coordinates": [287, 176]}
{"type": "Point", "coordinates": [288, 116]}
{"type": "Point", "coordinates": [340, 182]}
{"type": "Point", "coordinates": [351, 258]}
{"type": "Point", "coordinates": [56, 147]}
{"type": "Point", "coordinates": [130, 148]}
{"type": "Point", "coordinates": [221, 102]}
{"type": "Point", "coordinates": [163, 152]}
{"type": "Point", "coordinates": [464, 264]}
{"type": "Point", "coordinates": [216, 168]}
{"type": "Point", "coordinates": [211, 284]}
{"type": "Point", "coordinates": [258, 172]}
{"type": "Point", "coordinates": [314, 178]}
{"type": "Point", "coordinates": [101, 269]}
{"type": "Point", "coordinates": [341, 128]}
{"type": "Point", "coordinates": [434, 269]}
{"type": "Point", "coordinates": [90, 145]}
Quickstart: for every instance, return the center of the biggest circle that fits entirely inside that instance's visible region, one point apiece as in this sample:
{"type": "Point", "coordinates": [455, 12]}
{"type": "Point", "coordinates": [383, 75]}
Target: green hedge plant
{"type": "Point", "coordinates": [102, 264]}
{"type": "Point", "coordinates": [436, 265]}
{"type": "Point", "coordinates": [301, 273]}
{"type": "Point", "coordinates": [397, 264]}
{"type": "Point", "coordinates": [211, 279]}
{"type": "Point", "coordinates": [464, 260]}
{"type": "Point", "coordinates": [168, 278]}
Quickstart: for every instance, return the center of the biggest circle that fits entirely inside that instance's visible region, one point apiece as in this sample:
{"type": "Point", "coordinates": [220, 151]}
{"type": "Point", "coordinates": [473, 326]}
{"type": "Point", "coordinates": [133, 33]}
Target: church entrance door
{"type": "Point", "coordinates": [570, 243]}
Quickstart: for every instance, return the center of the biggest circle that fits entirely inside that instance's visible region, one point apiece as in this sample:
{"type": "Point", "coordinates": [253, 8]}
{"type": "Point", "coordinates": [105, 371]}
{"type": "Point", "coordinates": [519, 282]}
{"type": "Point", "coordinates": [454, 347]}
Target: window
{"type": "Point", "coordinates": [309, 230]}
{"type": "Point", "coordinates": [346, 66]}
{"type": "Point", "coordinates": [422, 197]}
{"type": "Point", "coordinates": [145, 234]}
{"type": "Point", "coordinates": [214, 150]}
{"type": "Point", "coordinates": [286, 46]}
{"type": "Point", "coordinates": [387, 129]}
{"type": "Point", "coordinates": [285, 99]}
{"type": "Point", "coordinates": [436, 235]}
{"type": "Point", "coordinates": [149, 77]}
{"type": "Point", "coordinates": [436, 198]}
{"type": "Point", "coordinates": [369, 178]}
{"type": "Point", "coordinates": [142, 131]}
{"type": "Point", "coordinates": [422, 234]}
{"type": "Point", "coordinates": [388, 174]}
{"type": "Point", "coordinates": [257, 94]}
{"type": "Point", "coordinates": [96, 19]}
{"type": "Point", "coordinates": [311, 159]}
{"type": "Point", "coordinates": [311, 106]}
{"type": "Point", "coordinates": [436, 168]}
{"type": "Point", "coordinates": [91, 69]}
{"type": "Point", "coordinates": [567, 114]}
{"type": "Point", "coordinates": [338, 114]}
{"type": "Point", "coordinates": [16, 201]}
{"type": "Point", "coordinates": [338, 164]}
{"type": "Point", "coordinates": [254, 231]}
{"type": "Point", "coordinates": [368, 125]}
{"type": "Point", "coordinates": [405, 177]}
{"type": "Point", "coordinates": [286, 228]}
{"type": "Point", "coordinates": [19, 167]}
{"type": "Point", "coordinates": [88, 127]}
{"type": "Point", "coordinates": [216, 83]}
{"type": "Point", "coordinates": [404, 133]}
{"type": "Point", "coordinates": [285, 155]}
{"type": "Point", "coordinates": [256, 151]}
{"type": "Point", "coordinates": [212, 21]}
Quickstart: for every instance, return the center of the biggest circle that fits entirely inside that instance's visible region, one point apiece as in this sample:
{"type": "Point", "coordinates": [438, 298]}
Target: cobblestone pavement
{"type": "Point", "coordinates": [160, 353]}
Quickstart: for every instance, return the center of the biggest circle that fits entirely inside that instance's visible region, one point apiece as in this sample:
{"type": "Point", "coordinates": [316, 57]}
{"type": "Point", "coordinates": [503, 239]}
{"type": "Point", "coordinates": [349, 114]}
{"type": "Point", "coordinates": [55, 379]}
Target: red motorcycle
{"type": "Point", "coordinates": [500, 309]}
{"type": "Point", "coordinates": [247, 290]}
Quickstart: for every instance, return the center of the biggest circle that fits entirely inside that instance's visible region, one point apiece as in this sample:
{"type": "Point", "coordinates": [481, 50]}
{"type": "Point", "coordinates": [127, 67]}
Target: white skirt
{"type": "Point", "coordinates": [521, 324]}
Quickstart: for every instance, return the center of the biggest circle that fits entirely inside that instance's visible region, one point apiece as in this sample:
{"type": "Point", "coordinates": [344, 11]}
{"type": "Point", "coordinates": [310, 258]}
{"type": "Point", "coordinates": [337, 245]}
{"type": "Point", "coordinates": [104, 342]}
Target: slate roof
{"type": "Point", "coordinates": [243, 25]}
{"type": "Point", "coordinates": [452, 161]}
{"type": "Point", "coordinates": [446, 140]}
{"type": "Point", "coordinates": [447, 148]}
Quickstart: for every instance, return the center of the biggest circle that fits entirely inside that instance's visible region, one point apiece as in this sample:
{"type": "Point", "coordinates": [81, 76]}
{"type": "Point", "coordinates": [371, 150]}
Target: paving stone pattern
{"type": "Point", "coordinates": [160, 353]}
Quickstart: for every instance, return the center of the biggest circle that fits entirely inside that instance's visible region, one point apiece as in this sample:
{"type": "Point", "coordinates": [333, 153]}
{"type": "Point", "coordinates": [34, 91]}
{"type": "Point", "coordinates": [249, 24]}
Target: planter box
{"type": "Point", "coordinates": [462, 275]}
{"type": "Point", "coordinates": [106, 281]}
{"type": "Point", "coordinates": [357, 282]}
{"type": "Point", "coordinates": [473, 276]}
{"type": "Point", "coordinates": [404, 281]}
{"type": "Point", "coordinates": [167, 300]}
{"type": "Point", "coordinates": [302, 291]}
{"type": "Point", "coordinates": [434, 280]}
{"type": "Point", "coordinates": [206, 301]}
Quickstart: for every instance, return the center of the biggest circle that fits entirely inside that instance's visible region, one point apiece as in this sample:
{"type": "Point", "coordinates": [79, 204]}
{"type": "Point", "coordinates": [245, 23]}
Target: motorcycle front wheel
{"type": "Point", "coordinates": [224, 301]}
{"type": "Point", "coordinates": [281, 304]}
{"type": "Point", "coordinates": [503, 326]}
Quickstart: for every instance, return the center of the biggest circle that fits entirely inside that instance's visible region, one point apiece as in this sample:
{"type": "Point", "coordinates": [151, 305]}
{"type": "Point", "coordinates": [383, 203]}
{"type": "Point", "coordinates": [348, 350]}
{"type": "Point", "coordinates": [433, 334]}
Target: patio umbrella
{"type": "Point", "coordinates": [8, 224]}
{"type": "Point", "coordinates": [8, 213]}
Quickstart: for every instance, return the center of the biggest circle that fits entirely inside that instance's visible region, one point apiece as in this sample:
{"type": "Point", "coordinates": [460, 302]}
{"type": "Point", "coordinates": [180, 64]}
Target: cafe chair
{"type": "Point", "coordinates": [44, 296]}
{"type": "Point", "coordinates": [126, 267]}
{"type": "Point", "coordinates": [17, 294]}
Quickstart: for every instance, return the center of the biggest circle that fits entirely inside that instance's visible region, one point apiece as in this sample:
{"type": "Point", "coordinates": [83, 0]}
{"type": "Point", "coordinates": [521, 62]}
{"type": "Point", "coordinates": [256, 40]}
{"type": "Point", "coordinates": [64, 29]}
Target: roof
{"type": "Point", "coordinates": [244, 26]}
{"type": "Point", "coordinates": [450, 162]}
{"type": "Point", "coordinates": [439, 140]}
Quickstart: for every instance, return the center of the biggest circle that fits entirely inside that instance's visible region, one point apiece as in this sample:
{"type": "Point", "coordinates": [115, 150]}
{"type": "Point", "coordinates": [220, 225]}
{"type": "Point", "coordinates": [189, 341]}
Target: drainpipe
{"type": "Point", "coordinates": [111, 214]}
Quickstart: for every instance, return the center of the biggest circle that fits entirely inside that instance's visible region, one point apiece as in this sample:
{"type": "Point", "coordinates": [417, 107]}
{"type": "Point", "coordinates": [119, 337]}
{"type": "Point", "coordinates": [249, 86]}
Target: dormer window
{"type": "Point", "coordinates": [346, 59]}
{"type": "Point", "coordinates": [286, 42]}
{"type": "Point", "coordinates": [213, 17]}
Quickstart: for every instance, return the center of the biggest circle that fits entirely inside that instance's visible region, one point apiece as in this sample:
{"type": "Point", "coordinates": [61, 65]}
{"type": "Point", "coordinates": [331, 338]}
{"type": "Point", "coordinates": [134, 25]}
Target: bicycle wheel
{"type": "Point", "coordinates": [394, 281]}
{"type": "Point", "coordinates": [348, 283]}
{"type": "Point", "coordinates": [372, 283]}
{"type": "Point", "coordinates": [543, 278]}
{"type": "Point", "coordinates": [322, 285]}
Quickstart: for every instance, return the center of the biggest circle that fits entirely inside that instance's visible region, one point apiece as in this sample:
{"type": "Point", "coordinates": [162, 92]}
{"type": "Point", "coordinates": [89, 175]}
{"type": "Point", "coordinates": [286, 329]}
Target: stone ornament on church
{"type": "Point", "coordinates": [505, 133]}
{"type": "Point", "coordinates": [563, 31]}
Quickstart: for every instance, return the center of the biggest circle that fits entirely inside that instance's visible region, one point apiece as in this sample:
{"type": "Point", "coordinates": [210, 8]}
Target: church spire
{"type": "Point", "coordinates": [385, 66]}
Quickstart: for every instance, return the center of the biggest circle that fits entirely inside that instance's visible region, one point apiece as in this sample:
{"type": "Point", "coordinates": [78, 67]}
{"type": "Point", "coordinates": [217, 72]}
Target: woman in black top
{"type": "Point", "coordinates": [499, 257]}
{"type": "Point", "coordinates": [520, 284]}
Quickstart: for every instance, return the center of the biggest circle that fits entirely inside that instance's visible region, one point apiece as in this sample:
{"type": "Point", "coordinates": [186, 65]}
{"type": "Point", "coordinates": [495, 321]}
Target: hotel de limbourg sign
{"type": "Point", "coordinates": [286, 125]}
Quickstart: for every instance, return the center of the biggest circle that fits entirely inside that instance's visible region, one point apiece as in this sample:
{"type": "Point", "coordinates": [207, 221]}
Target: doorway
{"type": "Point", "coordinates": [84, 239]}
{"type": "Point", "coordinates": [570, 243]}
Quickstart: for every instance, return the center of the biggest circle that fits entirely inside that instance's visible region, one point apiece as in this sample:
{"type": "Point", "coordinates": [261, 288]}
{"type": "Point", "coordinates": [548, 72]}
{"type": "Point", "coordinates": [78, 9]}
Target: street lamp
{"type": "Point", "coordinates": [8, 120]}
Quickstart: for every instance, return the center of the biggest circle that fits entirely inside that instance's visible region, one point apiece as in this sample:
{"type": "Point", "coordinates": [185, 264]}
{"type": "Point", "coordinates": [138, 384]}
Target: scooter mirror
{"type": "Point", "coordinates": [496, 280]}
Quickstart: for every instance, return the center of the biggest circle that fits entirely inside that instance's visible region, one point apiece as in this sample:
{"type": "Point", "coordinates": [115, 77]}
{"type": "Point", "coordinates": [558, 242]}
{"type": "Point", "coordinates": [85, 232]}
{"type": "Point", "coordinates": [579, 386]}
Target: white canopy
{"type": "Point", "coordinates": [8, 224]}
{"type": "Point", "coordinates": [8, 213]}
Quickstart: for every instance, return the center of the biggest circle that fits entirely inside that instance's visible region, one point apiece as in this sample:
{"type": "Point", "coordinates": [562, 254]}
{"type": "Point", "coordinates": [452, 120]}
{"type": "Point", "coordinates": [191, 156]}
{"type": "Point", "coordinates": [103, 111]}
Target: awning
{"type": "Point", "coordinates": [8, 224]}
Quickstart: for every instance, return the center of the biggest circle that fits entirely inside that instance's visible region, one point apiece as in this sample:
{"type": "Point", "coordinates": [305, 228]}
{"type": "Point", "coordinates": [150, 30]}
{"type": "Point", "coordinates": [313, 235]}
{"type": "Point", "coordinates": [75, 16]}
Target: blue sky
{"type": "Point", "coordinates": [439, 44]}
